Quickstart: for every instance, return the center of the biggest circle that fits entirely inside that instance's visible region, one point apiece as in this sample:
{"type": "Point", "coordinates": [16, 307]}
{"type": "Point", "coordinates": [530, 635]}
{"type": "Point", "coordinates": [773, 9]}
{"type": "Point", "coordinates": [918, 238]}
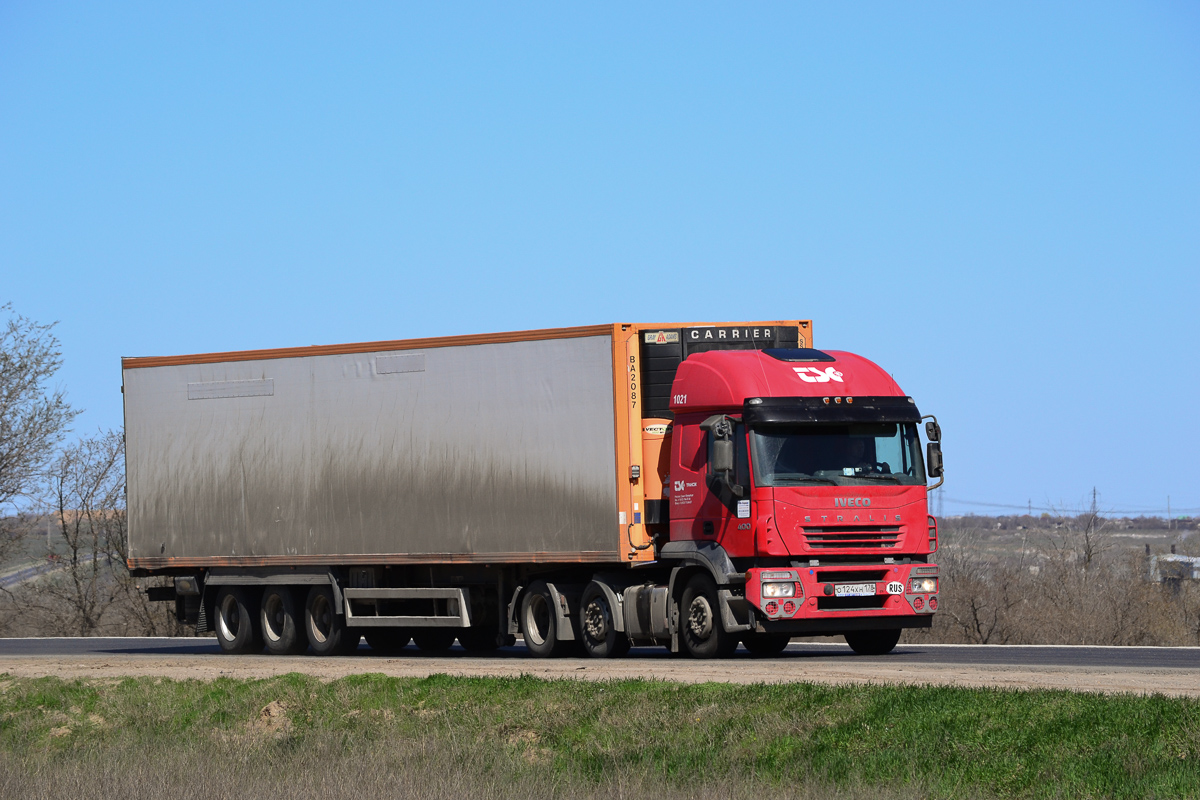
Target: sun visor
{"type": "Point", "coordinates": [794, 410]}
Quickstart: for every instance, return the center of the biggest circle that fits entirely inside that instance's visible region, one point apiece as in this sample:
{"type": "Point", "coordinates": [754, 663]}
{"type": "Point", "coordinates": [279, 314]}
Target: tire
{"type": "Point", "coordinates": [236, 621]}
{"type": "Point", "coordinates": [282, 628]}
{"type": "Point", "coordinates": [387, 641]}
{"type": "Point", "coordinates": [434, 640]}
{"type": "Point", "coordinates": [326, 629]}
{"type": "Point", "coordinates": [700, 620]}
{"type": "Point", "coordinates": [766, 645]}
{"type": "Point", "coordinates": [483, 639]}
{"type": "Point", "coordinates": [597, 626]}
{"type": "Point", "coordinates": [539, 623]}
{"type": "Point", "coordinates": [873, 643]}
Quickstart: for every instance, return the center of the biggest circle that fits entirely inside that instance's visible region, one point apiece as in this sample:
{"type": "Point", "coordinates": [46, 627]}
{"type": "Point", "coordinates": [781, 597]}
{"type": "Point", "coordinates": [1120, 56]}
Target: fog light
{"type": "Point", "coordinates": [789, 608]}
{"type": "Point", "coordinates": [772, 608]}
{"type": "Point", "coordinates": [919, 603]}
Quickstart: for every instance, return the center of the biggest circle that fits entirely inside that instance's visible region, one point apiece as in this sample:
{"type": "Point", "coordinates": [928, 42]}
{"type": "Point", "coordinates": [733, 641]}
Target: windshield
{"type": "Point", "coordinates": [854, 454]}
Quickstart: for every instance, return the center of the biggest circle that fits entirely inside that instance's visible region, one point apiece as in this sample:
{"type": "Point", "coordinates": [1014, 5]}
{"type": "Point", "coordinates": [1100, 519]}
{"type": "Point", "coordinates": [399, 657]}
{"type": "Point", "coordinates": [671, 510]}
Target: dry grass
{"type": "Point", "coordinates": [371, 736]}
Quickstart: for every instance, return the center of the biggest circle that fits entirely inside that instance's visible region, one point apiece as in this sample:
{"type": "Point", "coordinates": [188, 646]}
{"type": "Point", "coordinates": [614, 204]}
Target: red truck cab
{"type": "Point", "coordinates": [805, 467]}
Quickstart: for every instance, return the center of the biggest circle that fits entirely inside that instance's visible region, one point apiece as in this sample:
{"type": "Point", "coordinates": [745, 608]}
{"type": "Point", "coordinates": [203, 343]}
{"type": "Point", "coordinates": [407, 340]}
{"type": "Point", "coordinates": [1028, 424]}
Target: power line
{"type": "Point", "coordinates": [1029, 507]}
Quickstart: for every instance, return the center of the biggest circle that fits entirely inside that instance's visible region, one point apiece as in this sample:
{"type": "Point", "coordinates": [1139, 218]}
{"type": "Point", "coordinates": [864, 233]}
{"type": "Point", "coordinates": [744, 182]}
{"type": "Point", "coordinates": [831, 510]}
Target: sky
{"type": "Point", "coordinates": [999, 204]}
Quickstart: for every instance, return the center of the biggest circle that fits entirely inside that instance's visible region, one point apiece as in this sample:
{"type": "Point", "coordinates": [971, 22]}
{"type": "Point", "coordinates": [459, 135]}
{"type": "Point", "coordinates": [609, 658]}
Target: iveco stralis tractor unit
{"type": "Point", "coordinates": [694, 486]}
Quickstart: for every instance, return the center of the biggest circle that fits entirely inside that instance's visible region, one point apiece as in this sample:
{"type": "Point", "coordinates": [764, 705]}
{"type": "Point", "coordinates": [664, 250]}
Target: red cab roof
{"type": "Point", "coordinates": [726, 378]}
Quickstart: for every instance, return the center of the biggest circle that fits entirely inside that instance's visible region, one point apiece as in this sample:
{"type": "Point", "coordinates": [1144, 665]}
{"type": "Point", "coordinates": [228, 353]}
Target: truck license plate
{"type": "Point", "coordinates": [854, 589]}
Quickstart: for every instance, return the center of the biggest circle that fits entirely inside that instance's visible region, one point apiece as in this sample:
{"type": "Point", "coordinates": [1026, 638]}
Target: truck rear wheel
{"type": "Point", "coordinates": [237, 622]}
{"type": "Point", "coordinates": [327, 631]}
{"type": "Point", "coordinates": [703, 634]}
{"type": "Point", "coordinates": [597, 626]}
{"type": "Point", "coordinates": [282, 627]}
{"type": "Point", "coordinates": [873, 643]}
{"type": "Point", "coordinates": [539, 623]}
{"type": "Point", "coordinates": [388, 640]}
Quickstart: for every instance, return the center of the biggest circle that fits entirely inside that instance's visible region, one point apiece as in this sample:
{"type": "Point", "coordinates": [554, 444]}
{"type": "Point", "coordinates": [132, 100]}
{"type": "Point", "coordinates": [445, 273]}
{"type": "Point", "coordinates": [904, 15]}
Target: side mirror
{"type": "Point", "coordinates": [722, 455]}
{"type": "Point", "coordinates": [933, 459]}
{"type": "Point", "coordinates": [933, 431]}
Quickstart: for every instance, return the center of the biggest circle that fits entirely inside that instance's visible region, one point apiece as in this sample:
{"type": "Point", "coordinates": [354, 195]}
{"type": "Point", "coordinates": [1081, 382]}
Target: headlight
{"type": "Point", "coordinates": [779, 590]}
{"type": "Point", "coordinates": [923, 585]}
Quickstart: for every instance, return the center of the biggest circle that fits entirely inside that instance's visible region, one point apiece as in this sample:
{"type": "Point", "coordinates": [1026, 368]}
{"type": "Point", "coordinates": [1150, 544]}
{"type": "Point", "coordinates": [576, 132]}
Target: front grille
{"type": "Point", "coordinates": [876, 537]}
{"type": "Point", "coordinates": [848, 603]}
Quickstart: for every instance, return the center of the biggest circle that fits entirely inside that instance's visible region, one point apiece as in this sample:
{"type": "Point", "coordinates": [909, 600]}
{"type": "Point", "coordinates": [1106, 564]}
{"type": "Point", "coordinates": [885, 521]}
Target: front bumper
{"type": "Point", "coordinates": [818, 604]}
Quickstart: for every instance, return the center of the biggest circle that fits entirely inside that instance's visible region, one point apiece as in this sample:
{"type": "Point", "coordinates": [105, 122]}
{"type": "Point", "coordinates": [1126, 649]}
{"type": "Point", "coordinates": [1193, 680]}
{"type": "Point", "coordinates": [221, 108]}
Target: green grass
{"type": "Point", "coordinates": [576, 737]}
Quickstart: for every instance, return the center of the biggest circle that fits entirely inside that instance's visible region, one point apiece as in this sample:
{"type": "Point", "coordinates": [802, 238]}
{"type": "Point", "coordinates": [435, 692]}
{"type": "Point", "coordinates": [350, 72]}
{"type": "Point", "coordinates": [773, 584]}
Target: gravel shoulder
{"type": "Point", "coordinates": [1112, 680]}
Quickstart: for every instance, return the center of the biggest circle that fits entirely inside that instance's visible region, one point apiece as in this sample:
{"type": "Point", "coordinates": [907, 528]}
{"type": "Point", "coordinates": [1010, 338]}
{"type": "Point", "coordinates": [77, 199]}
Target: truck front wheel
{"type": "Point", "coordinates": [703, 634]}
{"type": "Point", "coordinates": [539, 623]}
{"type": "Point", "coordinates": [873, 643]}
{"type": "Point", "coordinates": [327, 631]}
{"type": "Point", "coordinates": [237, 622]}
{"type": "Point", "coordinates": [765, 645]}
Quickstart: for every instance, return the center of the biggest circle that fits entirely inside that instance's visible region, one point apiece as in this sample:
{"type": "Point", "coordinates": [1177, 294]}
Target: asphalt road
{"type": "Point", "coordinates": [1090, 658]}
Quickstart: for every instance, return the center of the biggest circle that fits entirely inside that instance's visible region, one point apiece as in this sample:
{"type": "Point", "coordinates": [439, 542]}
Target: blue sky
{"type": "Point", "coordinates": [1000, 205]}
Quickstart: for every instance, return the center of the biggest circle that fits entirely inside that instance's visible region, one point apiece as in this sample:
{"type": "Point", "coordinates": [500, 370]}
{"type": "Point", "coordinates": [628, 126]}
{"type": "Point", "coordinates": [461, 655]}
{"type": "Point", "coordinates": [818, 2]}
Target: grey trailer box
{"type": "Point", "coordinates": [486, 449]}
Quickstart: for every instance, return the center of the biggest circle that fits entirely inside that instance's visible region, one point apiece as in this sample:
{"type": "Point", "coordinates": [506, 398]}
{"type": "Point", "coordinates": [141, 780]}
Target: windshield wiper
{"type": "Point", "coordinates": [879, 477]}
{"type": "Point", "coordinates": [809, 478]}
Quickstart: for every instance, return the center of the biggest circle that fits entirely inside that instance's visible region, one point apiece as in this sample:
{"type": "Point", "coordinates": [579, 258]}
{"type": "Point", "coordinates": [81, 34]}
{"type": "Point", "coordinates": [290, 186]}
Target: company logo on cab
{"type": "Point", "coordinates": [817, 375]}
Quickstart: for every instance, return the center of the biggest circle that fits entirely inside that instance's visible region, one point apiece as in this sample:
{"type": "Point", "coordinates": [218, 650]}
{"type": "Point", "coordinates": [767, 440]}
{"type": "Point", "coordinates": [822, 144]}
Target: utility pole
{"type": "Point", "coordinates": [1031, 506]}
{"type": "Point", "coordinates": [1168, 513]}
{"type": "Point", "coordinates": [1094, 503]}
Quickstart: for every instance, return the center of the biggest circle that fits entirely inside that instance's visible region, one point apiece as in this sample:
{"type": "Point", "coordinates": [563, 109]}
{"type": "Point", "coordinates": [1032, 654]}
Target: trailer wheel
{"type": "Point", "coordinates": [387, 640]}
{"type": "Point", "coordinates": [237, 622]}
{"type": "Point", "coordinates": [327, 631]}
{"type": "Point", "coordinates": [434, 640]}
{"type": "Point", "coordinates": [873, 643]}
{"type": "Point", "coordinates": [597, 625]}
{"type": "Point", "coordinates": [483, 639]}
{"type": "Point", "coordinates": [765, 645]}
{"type": "Point", "coordinates": [703, 634]}
{"type": "Point", "coordinates": [539, 623]}
{"type": "Point", "coordinates": [282, 628]}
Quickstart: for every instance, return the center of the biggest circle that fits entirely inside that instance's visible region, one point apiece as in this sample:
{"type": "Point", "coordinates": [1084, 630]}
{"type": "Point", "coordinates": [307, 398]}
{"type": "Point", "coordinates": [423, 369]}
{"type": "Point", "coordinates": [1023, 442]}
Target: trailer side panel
{"type": "Point", "coordinates": [489, 451]}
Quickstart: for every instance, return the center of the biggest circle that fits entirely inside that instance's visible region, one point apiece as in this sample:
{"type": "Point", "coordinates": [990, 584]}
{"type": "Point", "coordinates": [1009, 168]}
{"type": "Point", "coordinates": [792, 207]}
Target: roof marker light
{"type": "Point", "coordinates": [754, 401]}
{"type": "Point", "coordinates": [837, 400]}
{"type": "Point", "coordinates": [849, 399]}
{"type": "Point", "coordinates": [826, 399]}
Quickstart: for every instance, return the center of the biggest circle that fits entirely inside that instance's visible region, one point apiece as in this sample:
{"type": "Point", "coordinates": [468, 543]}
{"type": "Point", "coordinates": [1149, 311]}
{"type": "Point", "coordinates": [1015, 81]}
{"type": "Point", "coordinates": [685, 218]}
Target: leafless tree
{"type": "Point", "coordinates": [92, 591]}
{"type": "Point", "coordinates": [33, 417]}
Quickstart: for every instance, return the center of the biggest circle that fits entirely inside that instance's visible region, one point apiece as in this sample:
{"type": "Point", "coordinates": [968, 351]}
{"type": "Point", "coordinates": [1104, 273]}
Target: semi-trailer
{"type": "Point", "coordinates": [690, 485]}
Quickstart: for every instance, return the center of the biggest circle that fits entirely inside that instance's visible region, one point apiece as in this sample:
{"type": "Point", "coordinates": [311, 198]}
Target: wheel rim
{"type": "Point", "coordinates": [537, 620]}
{"type": "Point", "coordinates": [700, 618]}
{"type": "Point", "coordinates": [596, 621]}
{"type": "Point", "coordinates": [229, 620]}
{"type": "Point", "coordinates": [322, 619]}
{"type": "Point", "coordinates": [273, 617]}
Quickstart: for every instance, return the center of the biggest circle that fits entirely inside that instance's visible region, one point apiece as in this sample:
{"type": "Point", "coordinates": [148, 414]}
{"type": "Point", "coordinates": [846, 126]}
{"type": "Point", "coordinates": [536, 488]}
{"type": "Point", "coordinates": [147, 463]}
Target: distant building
{"type": "Point", "coordinates": [1168, 568]}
